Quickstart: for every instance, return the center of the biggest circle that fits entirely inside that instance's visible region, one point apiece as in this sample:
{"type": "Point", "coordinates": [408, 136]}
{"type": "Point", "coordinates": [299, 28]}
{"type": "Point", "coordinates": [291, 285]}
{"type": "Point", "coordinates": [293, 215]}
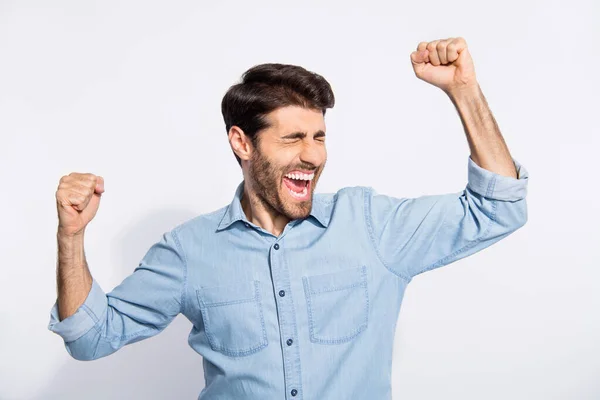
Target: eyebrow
{"type": "Point", "coordinates": [302, 135]}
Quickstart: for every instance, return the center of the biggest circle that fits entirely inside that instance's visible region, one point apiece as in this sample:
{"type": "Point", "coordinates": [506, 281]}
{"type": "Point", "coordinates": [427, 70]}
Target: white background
{"type": "Point", "coordinates": [131, 91]}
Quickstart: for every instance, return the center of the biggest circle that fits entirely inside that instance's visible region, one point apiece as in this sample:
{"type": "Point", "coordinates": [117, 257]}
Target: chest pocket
{"type": "Point", "coordinates": [337, 304]}
{"type": "Point", "coordinates": [233, 318]}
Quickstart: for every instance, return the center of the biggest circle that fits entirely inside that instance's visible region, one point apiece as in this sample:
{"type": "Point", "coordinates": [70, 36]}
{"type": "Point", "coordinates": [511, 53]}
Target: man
{"type": "Point", "coordinates": [293, 294]}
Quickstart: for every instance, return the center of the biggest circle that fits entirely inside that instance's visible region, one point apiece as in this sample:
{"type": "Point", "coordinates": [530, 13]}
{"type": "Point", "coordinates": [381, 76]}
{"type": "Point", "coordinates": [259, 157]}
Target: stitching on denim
{"type": "Point", "coordinates": [227, 302]}
{"type": "Point", "coordinates": [336, 288]}
{"type": "Point", "coordinates": [490, 188]}
{"type": "Point", "coordinates": [370, 231]}
{"type": "Point", "coordinates": [354, 332]}
{"type": "Point", "coordinates": [97, 327]}
{"type": "Point", "coordinates": [260, 312]}
{"type": "Point", "coordinates": [308, 308]}
{"type": "Point", "coordinates": [225, 349]}
{"type": "Point", "coordinates": [94, 354]}
{"type": "Point", "coordinates": [120, 337]}
{"type": "Point", "coordinates": [127, 337]}
{"type": "Point", "coordinates": [223, 224]}
{"type": "Point", "coordinates": [472, 243]}
{"type": "Point", "coordinates": [94, 318]}
{"type": "Point", "coordinates": [185, 270]}
{"type": "Point", "coordinates": [91, 313]}
{"type": "Point", "coordinates": [363, 274]}
{"type": "Point", "coordinates": [327, 202]}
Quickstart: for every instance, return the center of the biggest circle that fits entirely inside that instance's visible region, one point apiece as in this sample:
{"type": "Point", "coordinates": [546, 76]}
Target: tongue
{"type": "Point", "coordinates": [295, 185]}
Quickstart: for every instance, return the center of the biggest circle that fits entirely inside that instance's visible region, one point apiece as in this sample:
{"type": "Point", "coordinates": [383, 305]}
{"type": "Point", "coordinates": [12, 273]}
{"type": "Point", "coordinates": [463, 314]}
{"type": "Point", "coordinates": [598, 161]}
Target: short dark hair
{"type": "Point", "coordinates": [266, 87]}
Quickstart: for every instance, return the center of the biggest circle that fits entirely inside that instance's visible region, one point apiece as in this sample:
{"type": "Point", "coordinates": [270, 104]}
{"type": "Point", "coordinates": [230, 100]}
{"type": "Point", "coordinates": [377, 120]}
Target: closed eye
{"type": "Point", "coordinates": [295, 136]}
{"type": "Point", "coordinates": [319, 135]}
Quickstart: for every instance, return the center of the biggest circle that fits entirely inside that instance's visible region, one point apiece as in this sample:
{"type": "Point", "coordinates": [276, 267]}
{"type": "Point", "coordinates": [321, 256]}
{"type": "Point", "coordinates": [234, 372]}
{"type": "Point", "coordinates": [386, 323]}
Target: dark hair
{"type": "Point", "coordinates": [266, 87]}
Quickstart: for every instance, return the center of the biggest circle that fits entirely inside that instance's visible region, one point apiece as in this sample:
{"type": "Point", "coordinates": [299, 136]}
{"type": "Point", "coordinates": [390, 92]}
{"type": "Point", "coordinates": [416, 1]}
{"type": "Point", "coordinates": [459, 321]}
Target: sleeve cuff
{"type": "Point", "coordinates": [495, 186]}
{"type": "Point", "coordinates": [84, 319]}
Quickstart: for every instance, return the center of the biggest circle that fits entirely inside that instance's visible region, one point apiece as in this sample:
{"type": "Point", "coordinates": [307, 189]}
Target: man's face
{"type": "Point", "coordinates": [288, 161]}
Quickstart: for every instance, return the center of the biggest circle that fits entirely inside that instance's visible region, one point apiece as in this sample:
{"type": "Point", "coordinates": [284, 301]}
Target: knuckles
{"type": "Point", "coordinates": [441, 43]}
{"type": "Point", "coordinates": [87, 180]}
{"type": "Point", "coordinates": [85, 184]}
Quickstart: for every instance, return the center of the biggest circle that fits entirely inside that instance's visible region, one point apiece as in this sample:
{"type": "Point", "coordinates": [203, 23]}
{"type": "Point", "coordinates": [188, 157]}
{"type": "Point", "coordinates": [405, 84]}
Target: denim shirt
{"type": "Point", "coordinates": [310, 314]}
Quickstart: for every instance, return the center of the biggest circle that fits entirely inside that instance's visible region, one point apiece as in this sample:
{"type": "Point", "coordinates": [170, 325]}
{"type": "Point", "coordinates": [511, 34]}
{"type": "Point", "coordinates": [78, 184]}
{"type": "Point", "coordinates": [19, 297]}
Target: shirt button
{"type": "Point", "coordinates": [281, 293]}
{"type": "Point", "coordinates": [247, 224]}
{"type": "Point", "coordinates": [294, 392]}
{"type": "Point", "coordinates": [276, 247]}
{"type": "Point", "coordinates": [289, 342]}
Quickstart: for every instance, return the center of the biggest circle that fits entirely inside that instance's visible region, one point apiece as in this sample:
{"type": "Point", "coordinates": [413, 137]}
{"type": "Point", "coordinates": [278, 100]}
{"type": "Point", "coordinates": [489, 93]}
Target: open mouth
{"type": "Point", "coordinates": [298, 185]}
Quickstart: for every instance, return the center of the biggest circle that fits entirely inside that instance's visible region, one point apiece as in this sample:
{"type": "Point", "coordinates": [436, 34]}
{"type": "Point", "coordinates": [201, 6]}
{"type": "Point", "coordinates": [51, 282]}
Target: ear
{"type": "Point", "coordinates": [240, 143]}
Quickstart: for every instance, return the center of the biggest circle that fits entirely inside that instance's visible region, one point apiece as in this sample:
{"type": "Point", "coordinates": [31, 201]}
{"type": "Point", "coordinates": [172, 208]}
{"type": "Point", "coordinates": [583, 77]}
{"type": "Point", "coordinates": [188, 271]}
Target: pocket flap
{"type": "Point", "coordinates": [344, 279]}
{"type": "Point", "coordinates": [238, 292]}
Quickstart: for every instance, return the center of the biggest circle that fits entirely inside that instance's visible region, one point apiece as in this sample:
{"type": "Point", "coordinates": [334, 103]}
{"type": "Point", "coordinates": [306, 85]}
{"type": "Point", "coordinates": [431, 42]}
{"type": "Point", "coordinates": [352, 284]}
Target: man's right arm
{"type": "Point", "coordinates": [139, 307]}
{"type": "Point", "coordinates": [94, 324]}
{"type": "Point", "coordinates": [73, 277]}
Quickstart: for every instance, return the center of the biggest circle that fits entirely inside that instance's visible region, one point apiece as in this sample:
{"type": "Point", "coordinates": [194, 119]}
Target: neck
{"type": "Point", "coordinates": [262, 214]}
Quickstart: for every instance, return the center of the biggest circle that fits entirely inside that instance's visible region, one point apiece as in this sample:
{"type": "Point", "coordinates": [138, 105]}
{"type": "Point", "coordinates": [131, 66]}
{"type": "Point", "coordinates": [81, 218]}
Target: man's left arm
{"type": "Point", "coordinates": [414, 235]}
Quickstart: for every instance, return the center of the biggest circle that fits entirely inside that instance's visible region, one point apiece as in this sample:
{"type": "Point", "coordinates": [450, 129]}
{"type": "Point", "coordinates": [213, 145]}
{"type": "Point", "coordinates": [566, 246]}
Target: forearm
{"type": "Point", "coordinates": [73, 277]}
{"type": "Point", "coordinates": [487, 146]}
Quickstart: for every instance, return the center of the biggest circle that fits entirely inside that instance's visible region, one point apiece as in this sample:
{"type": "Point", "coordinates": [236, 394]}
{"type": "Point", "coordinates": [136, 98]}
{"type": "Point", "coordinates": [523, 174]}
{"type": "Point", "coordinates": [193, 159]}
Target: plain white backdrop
{"type": "Point", "coordinates": [131, 91]}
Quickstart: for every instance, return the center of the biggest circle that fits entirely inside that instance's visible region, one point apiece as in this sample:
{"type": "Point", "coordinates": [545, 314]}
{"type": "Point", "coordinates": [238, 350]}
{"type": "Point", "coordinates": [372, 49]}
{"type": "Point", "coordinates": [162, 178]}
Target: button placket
{"type": "Point", "coordinates": [286, 315]}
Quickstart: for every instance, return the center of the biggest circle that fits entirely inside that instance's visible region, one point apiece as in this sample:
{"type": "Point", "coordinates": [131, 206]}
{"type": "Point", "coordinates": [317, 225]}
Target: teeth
{"type": "Point", "coordinates": [301, 177]}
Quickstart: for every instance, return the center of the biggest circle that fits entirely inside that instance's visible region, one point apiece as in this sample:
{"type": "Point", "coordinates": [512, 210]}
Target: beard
{"type": "Point", "coordinates": [267, 181]}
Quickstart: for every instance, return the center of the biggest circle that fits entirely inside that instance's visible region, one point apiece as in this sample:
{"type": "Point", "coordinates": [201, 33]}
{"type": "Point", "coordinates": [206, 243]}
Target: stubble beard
{"type": "Point", "coordinates": [267, 182]}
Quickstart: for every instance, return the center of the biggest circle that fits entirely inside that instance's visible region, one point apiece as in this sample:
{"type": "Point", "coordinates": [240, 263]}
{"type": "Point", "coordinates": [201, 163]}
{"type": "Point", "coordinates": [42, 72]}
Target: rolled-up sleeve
{"type": "Point", "coordinates": [84, 319]}
{"type": "Point", "coordinates": [139, 307]}
{"type": "Point", "coordinates": [414, 235]}
{"type": "Point", "coordinates": [495, 186]}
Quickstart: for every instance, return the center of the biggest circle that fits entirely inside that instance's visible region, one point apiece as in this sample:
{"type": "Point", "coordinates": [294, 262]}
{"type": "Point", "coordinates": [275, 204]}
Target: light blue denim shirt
{"type": "Point", "coordinates": [310, 314]}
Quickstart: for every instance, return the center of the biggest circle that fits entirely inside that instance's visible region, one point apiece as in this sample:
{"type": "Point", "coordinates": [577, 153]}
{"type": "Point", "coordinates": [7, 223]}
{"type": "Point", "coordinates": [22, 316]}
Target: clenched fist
{"type": "Point", "coordinates": [77, 200]}
{"type": "Point", "coordinates": [445, 63]}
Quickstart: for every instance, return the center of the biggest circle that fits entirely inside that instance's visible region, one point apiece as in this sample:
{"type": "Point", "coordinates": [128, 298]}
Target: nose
{"type": "Point", "coordinates": [313, 153]}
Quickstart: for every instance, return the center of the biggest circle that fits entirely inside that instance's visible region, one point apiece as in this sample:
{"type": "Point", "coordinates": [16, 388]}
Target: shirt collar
{"type": "Point", "coordinates": [321, 210]}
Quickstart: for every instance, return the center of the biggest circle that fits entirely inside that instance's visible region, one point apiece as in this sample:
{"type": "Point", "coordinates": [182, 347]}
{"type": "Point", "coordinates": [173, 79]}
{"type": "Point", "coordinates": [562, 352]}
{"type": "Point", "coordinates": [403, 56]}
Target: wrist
{"type": "Point", "coordinates": [466, 91]}
{"type": "Point", "coordinates": [64, 235]}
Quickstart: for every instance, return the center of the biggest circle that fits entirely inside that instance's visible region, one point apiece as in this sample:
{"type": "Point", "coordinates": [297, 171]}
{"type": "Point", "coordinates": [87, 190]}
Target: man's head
{"type": "Point", "coordinates": [275, 122]}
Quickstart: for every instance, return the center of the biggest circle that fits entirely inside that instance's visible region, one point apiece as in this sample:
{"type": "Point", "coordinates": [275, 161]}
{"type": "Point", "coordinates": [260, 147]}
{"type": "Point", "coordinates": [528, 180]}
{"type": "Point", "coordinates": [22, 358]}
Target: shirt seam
{"type": "Point", "coordinates": [121, 337]}
{"type": "Point", "coordinates": [491, 186]}
{"type": "Point", "coordinates": [91, 314]}
{"type": "Point", "coordinates": [94, 318]}
{"type": "Point", "coordinates": [370, 232]}
{"type": "Point", "coordinates": [472, 243]}
{"type": "Point", "coordinates": [185, 270]}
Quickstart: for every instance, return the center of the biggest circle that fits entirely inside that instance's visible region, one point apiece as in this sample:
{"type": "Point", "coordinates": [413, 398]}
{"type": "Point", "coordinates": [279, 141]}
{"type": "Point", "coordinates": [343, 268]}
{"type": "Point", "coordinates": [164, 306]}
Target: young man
{"type": "Point", "coordinates": [293, 294]}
